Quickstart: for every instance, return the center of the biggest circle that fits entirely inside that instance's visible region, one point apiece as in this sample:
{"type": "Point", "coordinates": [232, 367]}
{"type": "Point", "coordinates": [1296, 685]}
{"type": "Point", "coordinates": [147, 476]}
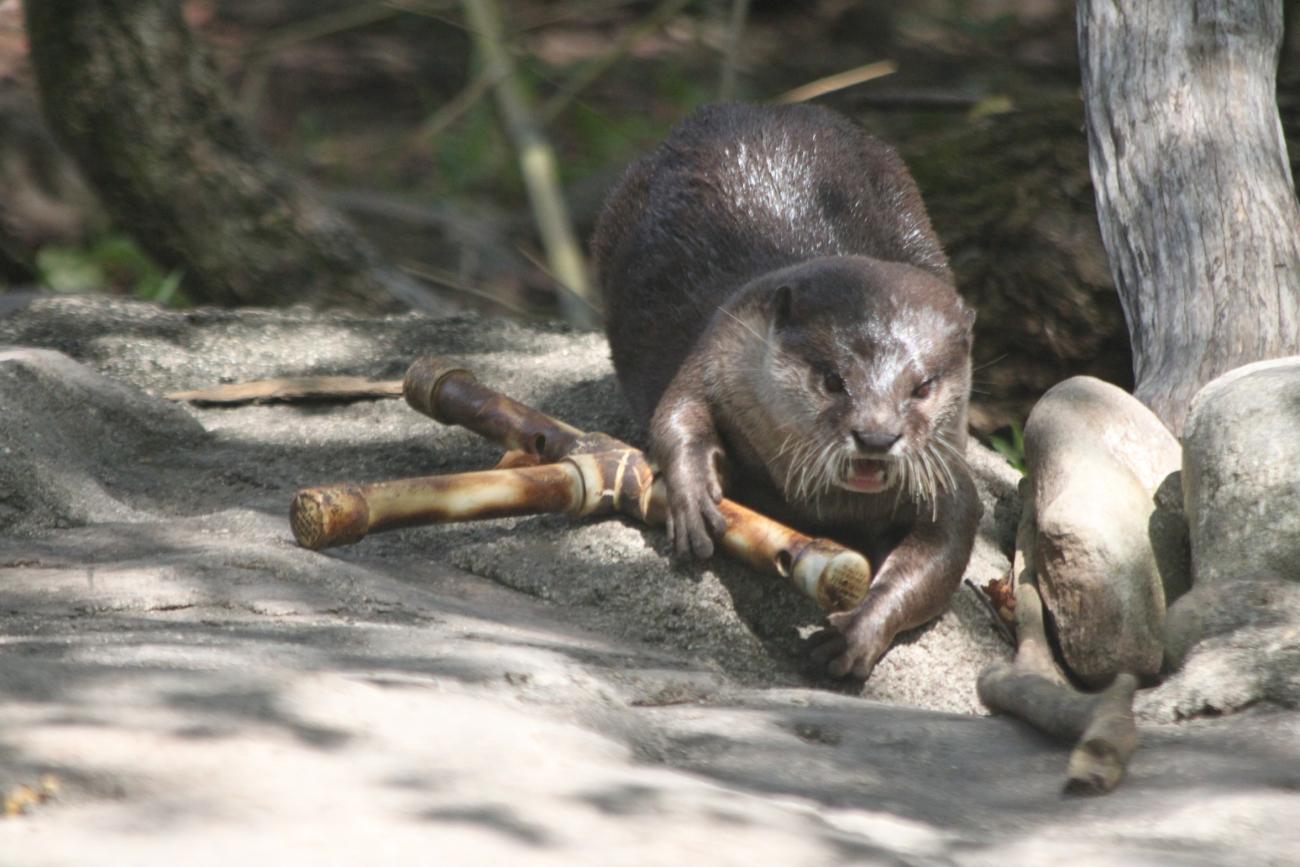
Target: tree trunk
{"type": "Point", "coordinates": [1194, 192]}
{"type": "Point", "coordinates": [138, 102]}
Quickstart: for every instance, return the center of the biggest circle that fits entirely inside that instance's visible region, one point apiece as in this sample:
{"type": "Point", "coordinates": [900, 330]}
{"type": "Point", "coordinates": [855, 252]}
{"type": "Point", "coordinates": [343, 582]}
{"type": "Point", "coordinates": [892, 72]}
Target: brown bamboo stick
{"type": "Point", "coordinates": [333, 515]}
{"type": "Point", "coordinates": [451, 395]}
{"type": "Point", "coordinates": [581, 474]}
{"type": "Point", "coordinates": [581, 485]}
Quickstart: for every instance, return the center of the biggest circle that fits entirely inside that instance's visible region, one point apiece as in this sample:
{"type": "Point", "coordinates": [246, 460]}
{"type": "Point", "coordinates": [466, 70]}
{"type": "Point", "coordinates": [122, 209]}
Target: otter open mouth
{"type": "Point", "coordinates": [868, 476]}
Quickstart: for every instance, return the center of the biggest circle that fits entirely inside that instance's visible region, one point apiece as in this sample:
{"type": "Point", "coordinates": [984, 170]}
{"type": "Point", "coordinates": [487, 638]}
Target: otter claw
{"type": "Point", "coordinates": [847, 646]}
{"type": "Point", "coordinates": [692, 529]}
{"type": "Point", "coordinates": [694, 491]}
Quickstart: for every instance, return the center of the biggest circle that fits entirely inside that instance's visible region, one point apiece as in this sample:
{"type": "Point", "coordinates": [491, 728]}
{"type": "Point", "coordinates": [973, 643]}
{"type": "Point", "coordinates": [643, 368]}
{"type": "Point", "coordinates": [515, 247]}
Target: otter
{"type": "Point", "coordinates": [781, 314]}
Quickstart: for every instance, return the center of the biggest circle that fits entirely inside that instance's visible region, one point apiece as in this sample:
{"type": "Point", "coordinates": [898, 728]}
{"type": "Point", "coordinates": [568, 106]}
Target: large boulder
{"type": "Point", "coordinates": [1241, 474]}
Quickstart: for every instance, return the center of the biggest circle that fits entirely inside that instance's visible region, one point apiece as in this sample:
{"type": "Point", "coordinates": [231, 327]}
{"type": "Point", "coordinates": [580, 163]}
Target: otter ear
{"type": "Point", "coordinates": [968, 317]}
{"type": "Point", "coordinates": [783, 305]}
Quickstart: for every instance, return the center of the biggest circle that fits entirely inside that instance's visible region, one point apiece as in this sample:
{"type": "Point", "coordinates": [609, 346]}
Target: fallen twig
{"type": "Point", "coordinates": [839, 81]}
{"type": "Point", "coordinates": [293, 390]}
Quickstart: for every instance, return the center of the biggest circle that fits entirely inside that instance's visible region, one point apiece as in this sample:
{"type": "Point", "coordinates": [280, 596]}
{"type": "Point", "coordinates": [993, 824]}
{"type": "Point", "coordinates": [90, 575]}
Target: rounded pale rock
{"type": "Point", "coordinates": [1241, 474]}
{"type": "Point", "coordinates": [1096, 458]}
{"type": "Point", "coordinates": [1241, 485]}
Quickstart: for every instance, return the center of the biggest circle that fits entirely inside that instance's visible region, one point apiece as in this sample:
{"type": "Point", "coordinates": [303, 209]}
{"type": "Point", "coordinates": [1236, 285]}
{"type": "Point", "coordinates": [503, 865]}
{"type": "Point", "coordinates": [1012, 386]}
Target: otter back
{"type": "Point", "coordinates": [734, 192]}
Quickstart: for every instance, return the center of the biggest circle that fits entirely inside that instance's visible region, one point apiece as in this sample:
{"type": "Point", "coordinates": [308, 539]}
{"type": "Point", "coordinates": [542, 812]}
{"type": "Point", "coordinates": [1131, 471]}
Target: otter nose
{"type": "Point", "coordinates": [874, 441]}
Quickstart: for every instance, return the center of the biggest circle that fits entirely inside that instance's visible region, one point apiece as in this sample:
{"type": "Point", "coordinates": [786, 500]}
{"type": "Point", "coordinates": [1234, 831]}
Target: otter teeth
{"type": "Point", "coordinates": [868, 475]}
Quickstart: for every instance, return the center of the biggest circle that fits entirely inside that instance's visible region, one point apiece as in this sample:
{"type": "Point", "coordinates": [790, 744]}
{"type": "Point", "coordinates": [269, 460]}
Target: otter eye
{"type": "Point", "coordinates": [922, 391]}
{"type": "Point", "coordinates": [833, 382]}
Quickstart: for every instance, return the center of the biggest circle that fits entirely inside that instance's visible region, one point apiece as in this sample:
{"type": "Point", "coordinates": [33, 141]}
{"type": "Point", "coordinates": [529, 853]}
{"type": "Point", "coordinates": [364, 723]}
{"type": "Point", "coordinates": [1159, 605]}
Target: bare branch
{"type": "Point", "coordinates": [537, 164]}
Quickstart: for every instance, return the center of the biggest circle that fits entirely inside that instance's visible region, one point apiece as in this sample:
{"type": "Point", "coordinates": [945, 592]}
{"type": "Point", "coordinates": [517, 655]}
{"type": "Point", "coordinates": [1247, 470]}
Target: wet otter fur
{"type": "Point", "coordinates": [781, 313]}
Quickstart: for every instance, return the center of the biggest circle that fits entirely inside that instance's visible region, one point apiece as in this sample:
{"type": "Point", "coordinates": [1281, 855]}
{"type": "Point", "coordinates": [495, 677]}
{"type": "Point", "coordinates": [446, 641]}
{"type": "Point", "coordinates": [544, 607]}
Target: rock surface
{"type": "Point", "coordinates": [1241, 474]}
{"type": "Point", "coordinates": [1236, 635]}
{"type": "Point", "coordinates": [205, 692]}
{"type": "Point", "coordinates": [1235, 644]}
{"type": "Point", "coordinates": [1096, 458]}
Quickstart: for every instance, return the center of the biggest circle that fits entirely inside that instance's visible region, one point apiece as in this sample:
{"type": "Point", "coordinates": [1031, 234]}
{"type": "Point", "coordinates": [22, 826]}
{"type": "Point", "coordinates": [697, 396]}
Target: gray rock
{"type": "Point", "coordinates": [1234, 644]}
{"type": "Point", "coordinates": [208, 693]}
{"type": "Point", "coordinates": [1241, 474]}
{"type": "Point", "coordinates": [69, 438]}
{"type": "Point", "coordinates": [1096, 459]}
{"type": "Point", "coordinates": [1234, 637]}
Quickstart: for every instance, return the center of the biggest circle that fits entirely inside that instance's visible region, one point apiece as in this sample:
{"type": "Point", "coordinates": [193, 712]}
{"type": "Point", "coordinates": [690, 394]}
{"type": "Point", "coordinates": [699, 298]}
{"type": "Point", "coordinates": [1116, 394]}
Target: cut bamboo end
{"type": "Point", "coordinates": [836, 577]}
{"type": "Point", "coordinates": [326, 517]}
{"type": "Point", "coordinates": [423, 378]}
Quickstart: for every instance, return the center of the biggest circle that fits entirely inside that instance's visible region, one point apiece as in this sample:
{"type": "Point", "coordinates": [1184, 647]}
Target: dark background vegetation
{"type": "Point", "coordinates": [376, 103]}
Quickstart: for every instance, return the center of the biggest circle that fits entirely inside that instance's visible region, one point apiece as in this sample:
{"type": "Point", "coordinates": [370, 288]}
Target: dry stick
{"type": "Point", "coordinates": [839, 81]}
{"type": "Point", "coordinates": [537, 165]}
{"type": "Point", "coordinates": [1033, 689]}
{"type": "Point", "coordinates": [334, 515]}
{"type": "Point", "coordinates": [581, 475]}
{"type": "Point", "coordinates": [451, 395]}
{"type": "Point", "coordinates": [293, 389]}
{"type": "Point", "coordinates": [591, 71]}
{"type": "Point", "coordinates": [735, 28]}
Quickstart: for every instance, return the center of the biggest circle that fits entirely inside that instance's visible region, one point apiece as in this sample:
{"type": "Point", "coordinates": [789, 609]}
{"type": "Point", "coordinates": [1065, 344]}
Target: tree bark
{"type": "Point", "coordinates": [138, 102]}
{"type": "Point", "coordinates": [1194, 191]}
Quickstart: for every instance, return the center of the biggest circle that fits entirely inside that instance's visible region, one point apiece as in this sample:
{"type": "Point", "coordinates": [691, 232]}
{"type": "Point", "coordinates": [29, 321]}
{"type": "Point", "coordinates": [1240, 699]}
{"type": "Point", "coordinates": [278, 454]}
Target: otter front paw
{"type": "Point", "coordinates": [851, 644]}
{"type": "Point", "coordinates": [694, 491]}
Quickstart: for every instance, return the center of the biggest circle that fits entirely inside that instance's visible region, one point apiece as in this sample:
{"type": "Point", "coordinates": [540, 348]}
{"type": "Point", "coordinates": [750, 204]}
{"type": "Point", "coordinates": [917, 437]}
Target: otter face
{"type": "Point", "coordinates": [868, 374]}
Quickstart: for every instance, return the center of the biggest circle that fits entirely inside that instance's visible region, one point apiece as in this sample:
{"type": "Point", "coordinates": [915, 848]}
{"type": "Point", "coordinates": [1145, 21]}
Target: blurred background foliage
{"type": "Point", "coordinates": [385, 105]}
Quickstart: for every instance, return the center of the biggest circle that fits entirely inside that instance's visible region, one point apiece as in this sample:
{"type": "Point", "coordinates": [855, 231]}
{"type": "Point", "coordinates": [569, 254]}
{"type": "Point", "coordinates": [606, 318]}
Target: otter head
{"type": "Point", "coordinates": [864, 376]}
